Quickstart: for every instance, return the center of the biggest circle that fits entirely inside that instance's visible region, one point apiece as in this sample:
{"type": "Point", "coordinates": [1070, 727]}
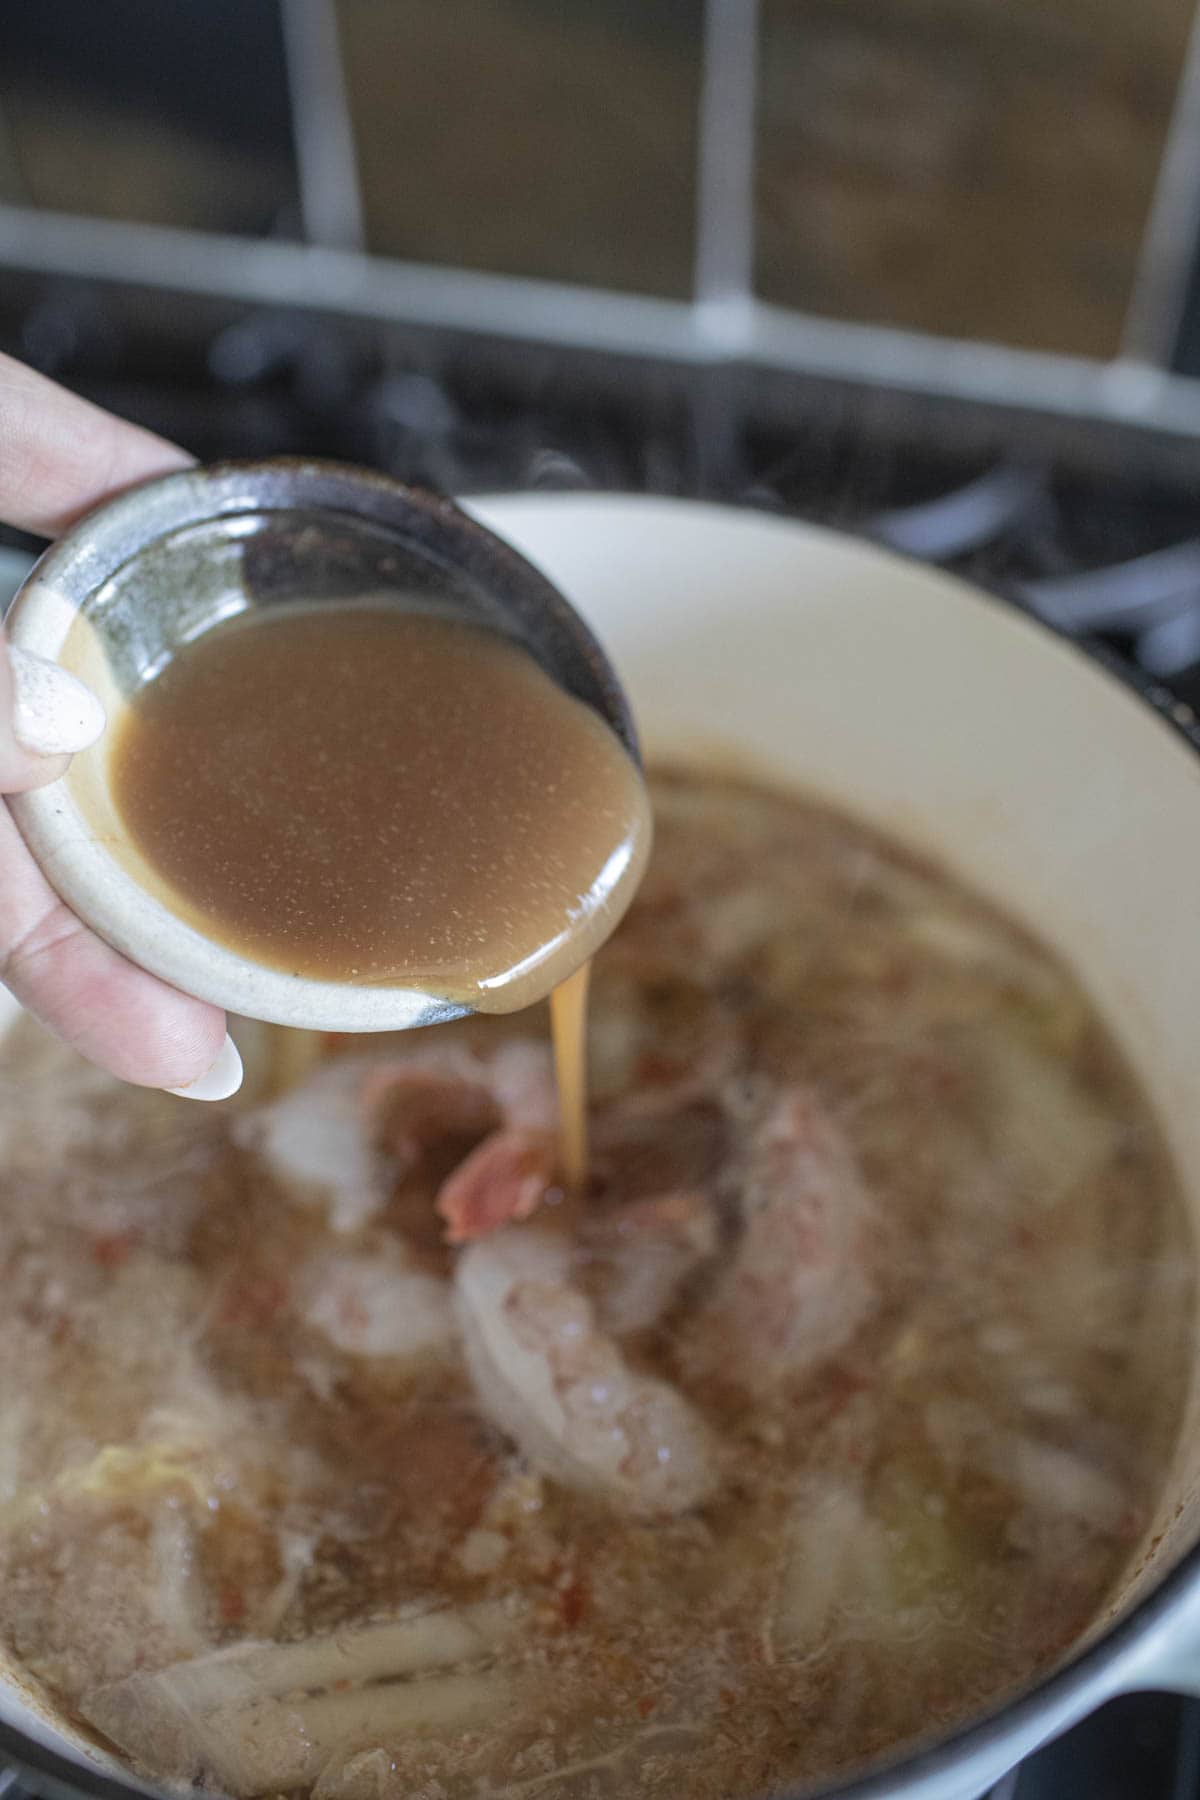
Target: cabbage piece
{"type": "Point", "coordinates": [877, 1576]}
{"type": "Point", "coordinates": [1053, 1479]}
{"type": "Point", "coordinates": [270, 1745]}
{"type": "Point", "coordinates": [418, 1640]}
{"type": "Point", "coordinates": [833, 1551]}
{"type": "Point", "coordinates": [1056, 1479]}
{"type": "Point", "coordinates": [263, 1716]}
{"type": "Point", "coordinates": [1047, 1134]}
{"type": "Point", "coordinates": [316, 1141]}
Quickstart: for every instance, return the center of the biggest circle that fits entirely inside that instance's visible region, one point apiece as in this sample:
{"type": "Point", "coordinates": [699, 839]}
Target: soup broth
{"type": "Point", "coordinates": [832, 1412]}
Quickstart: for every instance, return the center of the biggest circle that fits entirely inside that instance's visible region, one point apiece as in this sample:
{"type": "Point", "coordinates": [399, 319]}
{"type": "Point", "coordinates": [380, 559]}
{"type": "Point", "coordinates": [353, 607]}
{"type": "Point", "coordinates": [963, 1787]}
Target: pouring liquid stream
{"type": "Point", "coordinates": [568, 1026]}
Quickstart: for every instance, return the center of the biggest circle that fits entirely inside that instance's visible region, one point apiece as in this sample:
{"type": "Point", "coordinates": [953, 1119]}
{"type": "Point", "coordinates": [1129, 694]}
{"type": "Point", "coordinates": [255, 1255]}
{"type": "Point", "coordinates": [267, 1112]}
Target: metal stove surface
{"type": "Point", "coordinates": [1093, 550]}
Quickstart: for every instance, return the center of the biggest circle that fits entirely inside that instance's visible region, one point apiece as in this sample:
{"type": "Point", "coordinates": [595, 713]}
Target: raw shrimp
{"type": "Point", "coordinates": [797, 1288]}
{"type": "Point", "coordinates": [550, 1378]}
{"type": "Point", "coordinates": [505, 1178]}
{"type": "Point", "coordinates": [345, 1136]}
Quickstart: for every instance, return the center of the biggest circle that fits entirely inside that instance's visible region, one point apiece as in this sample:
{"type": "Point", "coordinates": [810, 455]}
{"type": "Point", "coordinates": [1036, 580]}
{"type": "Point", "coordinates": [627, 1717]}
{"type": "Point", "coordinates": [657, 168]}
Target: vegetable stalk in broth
{"type": "Point", "coordinates": [338, 1457]}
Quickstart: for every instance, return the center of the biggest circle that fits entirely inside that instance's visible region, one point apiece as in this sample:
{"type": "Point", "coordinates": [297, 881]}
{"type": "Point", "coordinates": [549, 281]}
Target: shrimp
{"type": "Point", "coordinates": [504, 1178]}
{"type": "Point", "coordinates": [343, 1138]}
{"type": "Point", "coordinates": [548, 1376]}
{"type": "Point", "coordinates": [797, 1288]}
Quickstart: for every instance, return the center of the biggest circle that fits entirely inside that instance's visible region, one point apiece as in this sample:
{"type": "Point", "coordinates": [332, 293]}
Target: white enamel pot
{"type": "Point", "coordinates": [1045, 779]}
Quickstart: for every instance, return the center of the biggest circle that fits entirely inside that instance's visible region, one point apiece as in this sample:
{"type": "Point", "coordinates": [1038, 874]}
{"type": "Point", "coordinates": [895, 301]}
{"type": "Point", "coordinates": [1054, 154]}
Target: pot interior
{"type": "Point", "coordinates": [946, 720]}
{"type": "Point", "coordinates": [949, 721]}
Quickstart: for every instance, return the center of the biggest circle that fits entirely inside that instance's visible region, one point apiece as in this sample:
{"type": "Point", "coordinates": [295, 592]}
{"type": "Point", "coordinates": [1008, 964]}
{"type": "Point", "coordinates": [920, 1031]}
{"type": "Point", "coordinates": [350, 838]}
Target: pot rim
{"type": "Point", "coordinates": [1073, 1688]}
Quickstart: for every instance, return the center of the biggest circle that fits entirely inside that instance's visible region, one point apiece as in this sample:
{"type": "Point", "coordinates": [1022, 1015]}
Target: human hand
{"type": "Point", "coordinates": [59, 457]}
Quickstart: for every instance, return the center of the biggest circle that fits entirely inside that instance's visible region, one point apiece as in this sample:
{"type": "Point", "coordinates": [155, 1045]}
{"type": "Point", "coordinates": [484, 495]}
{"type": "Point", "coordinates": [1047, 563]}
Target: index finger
{"type": "Point", "coordinates": [60, 455]}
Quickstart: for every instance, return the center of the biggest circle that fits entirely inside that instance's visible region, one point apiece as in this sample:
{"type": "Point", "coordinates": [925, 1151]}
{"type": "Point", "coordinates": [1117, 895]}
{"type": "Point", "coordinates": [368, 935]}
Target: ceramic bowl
{"type": "Point", "coordinates": [117, 596]}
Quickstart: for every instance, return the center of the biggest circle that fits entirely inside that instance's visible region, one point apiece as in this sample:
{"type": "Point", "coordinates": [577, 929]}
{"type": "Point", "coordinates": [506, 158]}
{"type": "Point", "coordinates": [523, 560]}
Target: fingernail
{"type": "Point", "coordinates": [53, 713]}
{"type": "Point", "coordinates": [218, 1082]}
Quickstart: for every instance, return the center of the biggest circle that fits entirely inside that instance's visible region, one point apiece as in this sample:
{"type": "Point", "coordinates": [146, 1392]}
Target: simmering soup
{"type": "Point", "coordinates": [343, 1450]}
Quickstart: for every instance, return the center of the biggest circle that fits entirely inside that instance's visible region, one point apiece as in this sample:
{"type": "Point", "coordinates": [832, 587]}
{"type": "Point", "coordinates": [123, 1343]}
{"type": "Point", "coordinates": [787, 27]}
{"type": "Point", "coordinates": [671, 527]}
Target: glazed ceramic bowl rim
{"type": "Point", "coordinates": [74, 858]}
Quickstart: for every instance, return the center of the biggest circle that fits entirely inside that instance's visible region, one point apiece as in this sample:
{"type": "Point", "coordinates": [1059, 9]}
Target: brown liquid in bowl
{"type": "Point", "coordinates": [369, 795]}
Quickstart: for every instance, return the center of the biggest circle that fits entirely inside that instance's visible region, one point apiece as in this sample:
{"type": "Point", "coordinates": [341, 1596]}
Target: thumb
{"type": "Point", "coordinates": [46, 716]}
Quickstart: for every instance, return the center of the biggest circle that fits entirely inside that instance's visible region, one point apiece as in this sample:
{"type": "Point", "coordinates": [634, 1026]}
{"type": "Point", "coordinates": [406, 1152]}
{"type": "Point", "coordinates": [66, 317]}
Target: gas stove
{"type": "Point", "coordinates": [1095, 541]}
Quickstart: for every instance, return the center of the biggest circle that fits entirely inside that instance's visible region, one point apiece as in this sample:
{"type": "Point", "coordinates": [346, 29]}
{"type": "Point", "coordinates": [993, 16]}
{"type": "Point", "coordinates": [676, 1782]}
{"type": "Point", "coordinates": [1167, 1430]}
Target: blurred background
{"type": "Point", "coordinates": [923, 269]}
